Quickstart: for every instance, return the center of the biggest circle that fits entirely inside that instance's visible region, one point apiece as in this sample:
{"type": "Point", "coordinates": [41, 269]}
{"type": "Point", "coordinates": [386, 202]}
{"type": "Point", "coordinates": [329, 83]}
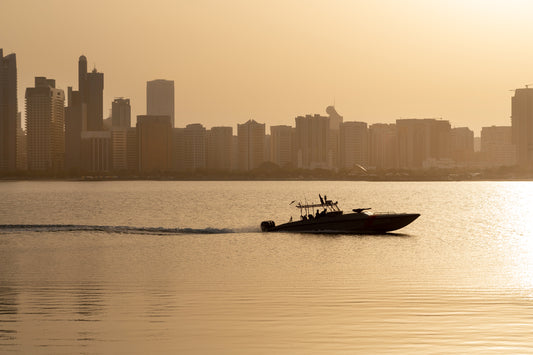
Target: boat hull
{"type": "Point", "coordinates": [351, 223]}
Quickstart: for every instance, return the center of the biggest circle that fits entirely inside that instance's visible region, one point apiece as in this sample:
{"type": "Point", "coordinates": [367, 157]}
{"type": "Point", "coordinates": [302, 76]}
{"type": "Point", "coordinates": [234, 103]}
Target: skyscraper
{"type": "Point", "coordinates": [195, 146]}
{"type": "Point", "coordinates": [44, 123]}
{"type": "Point", "coordinates": [75, 123]}
{"type": "Point", "coordinates": [94, 97]}
{"type": "Point", "coordinates": [382, 146]}
{"type": "Point", "coordinates": [313, 141]}
{"type": "Point", "coordinates": [522, 124]}
{"type": "Point", "coordinates": [421, 140]}
{"type": "Point", "coordinates": [160, 98]}
{"type": "Point", "coordinates": [121, 113]}
{"type": "Point", "coordinates": [353, 144]}
{"type": "Point", "coordinates": [462, 149]}
{"type": "Point", "coordinates": [219, 148]}
{"type": "Point", "coordinates": [335, 122]}
{"type": "Point", "coordinates": [8, 111]}
{"type": "Point", "coordinates": [154, 135]}
{"type": "Point", "coordinates": [91, 88]}
{"type": "Point", "coordinates": [281, 144]}
{"type": "Point", "coordinates": [496, 146]}
{"type": "Point", "coordinates": [251, 144]}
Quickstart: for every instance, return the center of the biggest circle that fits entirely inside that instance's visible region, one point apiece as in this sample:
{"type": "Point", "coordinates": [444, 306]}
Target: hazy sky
{"type": "Point", "coordinates": [273, 60]}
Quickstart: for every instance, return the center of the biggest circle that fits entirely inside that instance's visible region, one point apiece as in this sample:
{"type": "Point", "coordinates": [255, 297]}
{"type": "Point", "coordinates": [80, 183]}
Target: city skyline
{"type": "Point", "coordinates": [377, 61]}
{"type": "Point", "coordinates": [76, 139]}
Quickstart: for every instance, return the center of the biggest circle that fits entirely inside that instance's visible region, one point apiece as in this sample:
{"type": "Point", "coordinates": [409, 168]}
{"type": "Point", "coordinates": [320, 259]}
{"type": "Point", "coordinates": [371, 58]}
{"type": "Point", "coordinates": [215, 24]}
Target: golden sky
{"type": "Point", "coordinates": [272, 60]}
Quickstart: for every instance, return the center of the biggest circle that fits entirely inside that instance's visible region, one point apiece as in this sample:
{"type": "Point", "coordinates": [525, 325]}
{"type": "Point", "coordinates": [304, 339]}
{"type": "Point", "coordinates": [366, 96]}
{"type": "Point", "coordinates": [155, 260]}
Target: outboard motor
{"type": "Point", "coordinates": [266, 226]}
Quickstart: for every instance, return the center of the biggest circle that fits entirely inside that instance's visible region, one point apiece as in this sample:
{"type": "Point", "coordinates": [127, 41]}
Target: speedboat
{"type": "Point", "coordinates": [331, 219]}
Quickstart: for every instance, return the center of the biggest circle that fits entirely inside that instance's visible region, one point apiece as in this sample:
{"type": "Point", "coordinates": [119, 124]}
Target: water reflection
{"type": "Point", "coordinates": [8, 316]}
{"type": "Point", "coordinates": [458, 280]}
{"type": "Point", "coordinates": [89, 301]}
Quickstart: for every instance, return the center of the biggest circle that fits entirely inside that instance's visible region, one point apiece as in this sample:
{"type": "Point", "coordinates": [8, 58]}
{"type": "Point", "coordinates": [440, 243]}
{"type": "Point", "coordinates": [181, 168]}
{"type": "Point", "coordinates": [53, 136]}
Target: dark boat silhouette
{"type": "Point", "coordinates": [333, 220]}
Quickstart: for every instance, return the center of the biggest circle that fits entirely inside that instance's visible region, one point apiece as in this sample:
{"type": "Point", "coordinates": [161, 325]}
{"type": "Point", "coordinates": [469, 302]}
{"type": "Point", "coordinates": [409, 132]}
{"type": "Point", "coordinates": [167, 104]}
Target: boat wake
{"type": "Point", "coordinates": [17, 228]}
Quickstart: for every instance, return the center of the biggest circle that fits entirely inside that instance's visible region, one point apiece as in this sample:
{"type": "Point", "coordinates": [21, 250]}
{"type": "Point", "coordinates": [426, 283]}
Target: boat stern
{"type": "Point", "coordinates": [267, 226]}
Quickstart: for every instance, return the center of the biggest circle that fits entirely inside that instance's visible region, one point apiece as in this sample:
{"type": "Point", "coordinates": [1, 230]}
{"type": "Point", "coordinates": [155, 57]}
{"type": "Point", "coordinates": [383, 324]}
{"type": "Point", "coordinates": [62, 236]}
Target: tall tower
{"type": "Point", "coordinates": [160, 98]}
{"type": "Point", "coordinates": [94, 97]}
{"type": "Point", "coordinates": [251, 144]}
{"type": "Point", "coordinates": [82, 77]}
{"type": "Point", "coordinates": [8, 112]}
{"type": "Point", "coordinates": [121, 113]}
{"type": "Point", "coordinates": [522, 124]}
{"type": "Point", "coordinates": [44, 123]}
{"type": "Point", "coordinates": [154, 137]}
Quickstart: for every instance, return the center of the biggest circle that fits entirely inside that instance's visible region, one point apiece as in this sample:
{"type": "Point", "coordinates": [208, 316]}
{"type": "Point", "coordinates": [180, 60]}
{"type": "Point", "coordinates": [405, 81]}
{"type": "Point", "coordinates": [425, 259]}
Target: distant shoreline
{"type": "Point", "coordinates": [153, 178]}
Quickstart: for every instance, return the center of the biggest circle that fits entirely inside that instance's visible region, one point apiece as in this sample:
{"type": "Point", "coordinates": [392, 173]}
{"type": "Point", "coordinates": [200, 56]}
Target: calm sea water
{"type": "Point", "coordinates": [182, 267]}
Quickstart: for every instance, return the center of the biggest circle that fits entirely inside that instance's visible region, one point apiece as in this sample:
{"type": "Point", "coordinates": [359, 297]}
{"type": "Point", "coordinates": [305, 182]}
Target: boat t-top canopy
{"type": "Point", "coordinates": [328, 205]}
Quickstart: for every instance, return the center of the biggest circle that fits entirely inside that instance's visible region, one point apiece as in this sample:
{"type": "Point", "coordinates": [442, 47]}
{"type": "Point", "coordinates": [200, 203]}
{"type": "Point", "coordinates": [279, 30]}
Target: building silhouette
{"type": "Point", "coordinates": [160, 98]}
{"type": "Point", "coordinates": [423, 143]}
{"type": "Point", "coordinates": [75, 123]}
{"type": "Point", "coordinates": [44, 122]}
{"type": "Point", "coordinates": [96, 151]}
{"type": "Point", "coordinates": [121, 113]}
{"type": "Point", "coordinates": [353, 144]}
{"type": "Point", "coordinates": [119, 149]}
{"type": "Point", "coordinates": [312, 137]}
{"type": "Point", "coordinates": [497, 147]}
{"type": "Point", "coordinates": [219, 148]}
{"type": "Point", "coordinates": [8, 111]}
{"type": "Point", "coordinates": [22, 145]}
{"type": "Point", "coordinates": [132, 150]}
{"type": "Point", "coordinates": [462, 145]}
{"type": "Point", "coordinates": [522, 124]}
{"type": "Point", "coordinates": [251, 145]}
{"type": "Point", "coordinates": [84, 113]}
{"type": "Point", "coordinates": [154, 137]}
{"type": "Point", "coordinates": [195, 147]}
{"type": "Point", "coordinates": [281, 145]}
{"type": "Point", "coordinates": [382, 146]}
{"type": "Point", "coordinates": [335, 123]}
{"type": "Point", "coordinates": [94, 97]}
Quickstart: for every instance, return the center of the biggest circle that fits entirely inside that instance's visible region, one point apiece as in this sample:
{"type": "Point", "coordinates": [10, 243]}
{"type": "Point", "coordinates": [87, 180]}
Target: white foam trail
{"type": "Point", "coordinates": [7, 228]}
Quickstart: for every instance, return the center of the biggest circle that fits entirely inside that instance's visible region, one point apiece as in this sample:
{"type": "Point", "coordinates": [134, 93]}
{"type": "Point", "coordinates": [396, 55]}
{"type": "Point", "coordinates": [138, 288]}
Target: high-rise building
{"type": "Point", "coordinates": [132, 150]}
{"type": "Point", "coordinates": [522, 124]}
{"type": "Point", "coordinates": [8, 111]}
{"type": "Point", "coordinates": [178, 149]}
{"type": "Point", "coordinates": [251, 144]}
{"type": "Point", "coordinates": [497, 147]}
{"type": "Point", "coordinates": [91, 91]}
{"type": "Point", "coordinates": [281, 144]}
{"type": "Point", "coordinates": [154, 136]}
{"type": "Point", "coordinates": [96, 151]}
{"type": "Point", "coordinates": [423, 140]}
{"type": "Point", "coordinates": [462, 144]}
{"type": "Point", "coordinates": [82, 77]}
{"type": "Point", "coordinates": [313, 142]}
{"type": "Point", "coordinates": [22, 150]}
{"type": "Point", "coordinates": [160, 98]}
{"type": "Point", "coordinates": [119, 149]}
{"type": "Point", "coordinates": [382, 146]}
{"type": "Point", "coordinates": [353, 144]}
{"type": "Point", "coordinates": [94, 97]}
{"type": "Point", "coordinates": [45, 125]}
{"type": "Point", "coordinates": [335, 122]}
{"type": "Point", "coordinates": [121, 113]}
{"type": "Point", "coordinates": [219, 148]}
{"type": "Point", "coordinates": [75, 123]}
{"type": "Point", "coordinates": [195, 147]}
